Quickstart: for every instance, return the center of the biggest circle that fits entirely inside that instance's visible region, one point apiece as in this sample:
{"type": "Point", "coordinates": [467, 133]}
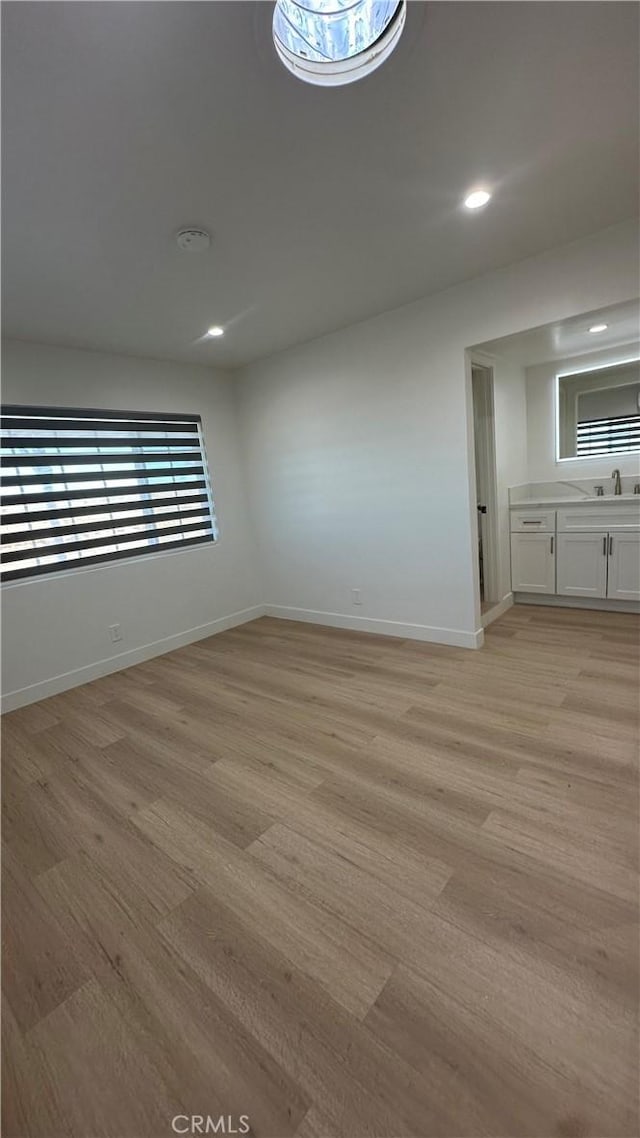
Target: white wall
{"type": "Point", "coordinates": [358, 452]}
{"type": "Point", "coordinates": [542, 465]}
{"type": "Point", "coordinates": [55, 629]}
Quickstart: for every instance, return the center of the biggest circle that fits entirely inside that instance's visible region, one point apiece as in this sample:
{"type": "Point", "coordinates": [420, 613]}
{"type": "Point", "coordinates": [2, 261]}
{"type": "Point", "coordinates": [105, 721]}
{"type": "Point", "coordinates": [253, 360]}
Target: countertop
{"type": "Point", "coordinates": [605, 500]}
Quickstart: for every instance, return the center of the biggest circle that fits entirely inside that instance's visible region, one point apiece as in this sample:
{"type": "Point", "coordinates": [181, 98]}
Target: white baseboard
{"type": "Point", "coordinates": [556, 600]}
{"type": "Point", "coordinates": [12, 700]}
{"type": "Point", "coordinates": [22, 696]}
{"type": "Point", "coordinates": [452, 636]}
{"type": "Point", "coordinates": [498, 609]}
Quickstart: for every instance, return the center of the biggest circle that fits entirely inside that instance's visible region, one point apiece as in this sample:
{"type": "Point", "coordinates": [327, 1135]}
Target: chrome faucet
{"type": "Point", "coordinates": [617, 488]}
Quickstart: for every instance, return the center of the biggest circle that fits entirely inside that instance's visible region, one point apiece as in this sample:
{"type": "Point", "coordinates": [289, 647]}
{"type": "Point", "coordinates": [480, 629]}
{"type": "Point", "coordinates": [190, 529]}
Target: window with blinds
{"type": "Point", "coordinates": [81, 487]}
{"type": "Point", "coordinates": [608, 436]}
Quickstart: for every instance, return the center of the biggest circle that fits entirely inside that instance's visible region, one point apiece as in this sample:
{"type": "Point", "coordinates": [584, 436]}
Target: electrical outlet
{"type": "Point", "coordinates": [356, 596]}
{"type": "Point", "coordinates": [115, 632]}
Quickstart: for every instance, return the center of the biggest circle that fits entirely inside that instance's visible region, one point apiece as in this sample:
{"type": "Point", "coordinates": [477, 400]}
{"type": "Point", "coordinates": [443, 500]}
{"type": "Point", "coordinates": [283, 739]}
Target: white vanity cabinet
{"type": "Point", "coordinates": [599, 552]}
{"type": "Point", "coordinates": [585, 550]}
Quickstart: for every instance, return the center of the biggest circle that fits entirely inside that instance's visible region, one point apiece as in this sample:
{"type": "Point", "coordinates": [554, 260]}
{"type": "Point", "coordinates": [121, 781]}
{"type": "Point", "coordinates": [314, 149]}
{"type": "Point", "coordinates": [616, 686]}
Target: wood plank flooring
{"type": "Point", "coordinates": [341, 884]}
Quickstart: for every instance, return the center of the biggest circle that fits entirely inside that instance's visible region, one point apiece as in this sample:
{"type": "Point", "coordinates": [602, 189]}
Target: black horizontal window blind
{"type": "Point", "coordinates": [609, 436]}
{"type": "Point", "coordinates": [80, 487]}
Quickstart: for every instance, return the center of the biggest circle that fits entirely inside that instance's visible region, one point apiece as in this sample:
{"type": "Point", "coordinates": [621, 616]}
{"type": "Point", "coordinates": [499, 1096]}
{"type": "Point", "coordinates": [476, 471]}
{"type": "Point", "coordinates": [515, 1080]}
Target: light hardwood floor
{"type": "Point", "coordinates": [345, 885]}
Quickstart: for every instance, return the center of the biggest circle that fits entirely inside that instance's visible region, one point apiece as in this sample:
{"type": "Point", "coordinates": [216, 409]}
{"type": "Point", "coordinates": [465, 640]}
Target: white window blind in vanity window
{"type": "Point", "coordinates": [81, 487]}
{"type": "Point", "coordinates": [608, 436]}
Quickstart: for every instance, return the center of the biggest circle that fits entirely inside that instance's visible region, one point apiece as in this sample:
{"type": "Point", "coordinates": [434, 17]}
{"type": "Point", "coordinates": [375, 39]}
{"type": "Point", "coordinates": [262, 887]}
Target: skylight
{"type": "Point", "coordinates": [331, 42]}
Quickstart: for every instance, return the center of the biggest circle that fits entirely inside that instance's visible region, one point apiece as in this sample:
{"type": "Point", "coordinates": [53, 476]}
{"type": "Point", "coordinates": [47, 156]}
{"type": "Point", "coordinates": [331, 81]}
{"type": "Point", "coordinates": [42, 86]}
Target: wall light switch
{"type": "Point", "coordinates": [115, 633]}
{"type": "Point", "coordinates": [356, 596]}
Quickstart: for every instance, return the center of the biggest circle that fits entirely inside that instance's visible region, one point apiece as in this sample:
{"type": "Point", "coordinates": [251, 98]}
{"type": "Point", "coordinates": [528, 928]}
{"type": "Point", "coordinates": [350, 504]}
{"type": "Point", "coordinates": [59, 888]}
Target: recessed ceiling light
{"type": "Point", "coordinates": [598, 328]}
{"type": "Point", "coordinates": [476, 199]}
{"type": "Point", "coordinates": [332, 42]}
{"type": "Point", "coordinates": [215, 330]}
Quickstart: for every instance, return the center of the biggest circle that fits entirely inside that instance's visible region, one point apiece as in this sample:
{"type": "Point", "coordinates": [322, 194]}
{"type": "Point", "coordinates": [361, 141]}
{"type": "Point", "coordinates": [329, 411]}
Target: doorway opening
{"type": "Point", "coordinates": [486, 495]}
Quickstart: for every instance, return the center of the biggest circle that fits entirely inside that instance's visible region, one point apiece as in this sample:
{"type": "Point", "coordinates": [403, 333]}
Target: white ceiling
{"type": "Point", "coordinates": [125, 121]}
{"type": "Point", "coordinates": [566, 338]}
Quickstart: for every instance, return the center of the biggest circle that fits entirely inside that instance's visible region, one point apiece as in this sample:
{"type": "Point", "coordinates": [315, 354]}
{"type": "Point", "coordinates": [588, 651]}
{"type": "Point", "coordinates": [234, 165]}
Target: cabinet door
{"type": "Point", "coordinates": [533, 563]}
{"type": "Point", "coordinates": [582, 564]}
{"type": "Point", "coordinates": [624, 567]}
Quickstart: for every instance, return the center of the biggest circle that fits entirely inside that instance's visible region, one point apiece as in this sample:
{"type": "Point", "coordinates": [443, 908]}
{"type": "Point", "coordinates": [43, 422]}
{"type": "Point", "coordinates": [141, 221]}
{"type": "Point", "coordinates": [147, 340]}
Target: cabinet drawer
{"type": "Point", "coordinates": [612, 518]}
{"type": "Point", "coordinates": [533, 521]}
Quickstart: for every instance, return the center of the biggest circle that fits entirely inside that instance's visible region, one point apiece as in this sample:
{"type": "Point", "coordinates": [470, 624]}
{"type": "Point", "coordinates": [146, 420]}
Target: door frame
{"type": "Point", "coordinates": [481, 370]}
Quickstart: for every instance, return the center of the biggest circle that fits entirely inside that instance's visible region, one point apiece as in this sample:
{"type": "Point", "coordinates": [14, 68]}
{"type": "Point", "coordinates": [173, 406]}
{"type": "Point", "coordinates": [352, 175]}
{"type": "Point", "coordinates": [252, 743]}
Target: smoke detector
{"type": "Point", "coordinates": [193, 240]}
